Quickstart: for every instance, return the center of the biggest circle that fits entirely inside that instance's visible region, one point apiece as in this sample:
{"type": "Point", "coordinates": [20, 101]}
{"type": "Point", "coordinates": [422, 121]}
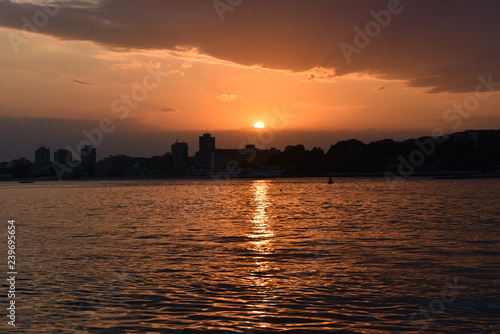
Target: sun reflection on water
{"type": "Point", "coordinates": [261, 235]}
{"type": "Point", "coordinates": [261, 232]}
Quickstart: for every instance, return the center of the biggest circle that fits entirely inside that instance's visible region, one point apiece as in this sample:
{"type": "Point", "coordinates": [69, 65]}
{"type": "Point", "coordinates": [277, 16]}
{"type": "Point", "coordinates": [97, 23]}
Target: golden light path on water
{"type": "Point", "coordinates": [261, 243]}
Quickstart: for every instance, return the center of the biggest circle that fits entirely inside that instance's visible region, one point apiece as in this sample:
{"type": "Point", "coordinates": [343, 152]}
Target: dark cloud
{"type": "Point", "coordinates": [442, 46]}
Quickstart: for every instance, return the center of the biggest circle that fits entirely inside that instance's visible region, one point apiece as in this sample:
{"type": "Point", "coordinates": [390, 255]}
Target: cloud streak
{"type": "Point", "coordinates": [79, 82]}
{"type": "Point", "coordinates": [169, 110]}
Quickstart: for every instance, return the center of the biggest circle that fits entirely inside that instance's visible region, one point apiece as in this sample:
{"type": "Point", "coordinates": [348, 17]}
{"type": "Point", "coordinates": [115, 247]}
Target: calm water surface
{"type": "Point", "coordinates": [246, 256]}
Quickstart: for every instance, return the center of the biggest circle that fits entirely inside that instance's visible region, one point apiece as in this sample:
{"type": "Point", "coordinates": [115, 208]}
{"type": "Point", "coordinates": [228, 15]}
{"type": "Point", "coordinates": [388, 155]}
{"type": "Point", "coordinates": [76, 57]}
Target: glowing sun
{"type": "Point", "coordinates": [259, 125]}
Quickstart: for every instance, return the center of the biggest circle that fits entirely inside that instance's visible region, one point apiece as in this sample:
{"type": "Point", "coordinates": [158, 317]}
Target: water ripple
{"type": "Point", "coordinates": [272, 256]}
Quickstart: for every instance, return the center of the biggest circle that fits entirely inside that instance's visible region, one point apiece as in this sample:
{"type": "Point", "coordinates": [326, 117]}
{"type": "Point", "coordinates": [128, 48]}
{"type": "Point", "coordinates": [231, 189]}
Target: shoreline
{"type": "Point", "coordinates": [435, 175]}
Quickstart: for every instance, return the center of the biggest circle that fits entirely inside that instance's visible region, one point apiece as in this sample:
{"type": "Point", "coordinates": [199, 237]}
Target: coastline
{"type": "Point", "coordinates": [435, 175]}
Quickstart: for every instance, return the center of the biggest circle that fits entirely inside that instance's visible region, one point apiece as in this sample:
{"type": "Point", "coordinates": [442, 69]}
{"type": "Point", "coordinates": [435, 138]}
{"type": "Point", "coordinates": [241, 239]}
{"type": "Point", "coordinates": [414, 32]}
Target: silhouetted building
{"type": "Point", "coordinates": [16, 168]}
{"type": "Point", "coordinates": [209, 162]}
{"type": "Point", "coordinates": [179, 159]}
{"type": "Point", "coordinates": [42, 156]}
{"type": "Point", "coordinates": [180, 150]}
{"type": "Point", "coordinates": [204, 159]}
{"type": "Point", "coordinates": [63, 157]}
{"type": "Point", "coordinates": [160, 166]}
{"type": "Point", "coordinates": [207, 143]}
{"type": "Point", "coordinates": [21, 162]}
{"type": "Point", "coordinates": [88, 155]}
{"type": "Point", "coordinates": [160, 161]}
{"type": "Point", "coordinates": [251, 157]}
{"type": "Point", "coordinates": [120, 166]}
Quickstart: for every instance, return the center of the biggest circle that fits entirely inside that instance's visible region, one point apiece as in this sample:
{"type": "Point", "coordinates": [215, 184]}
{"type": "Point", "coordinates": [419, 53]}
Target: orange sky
{"type": "Point", "coordinates": [225, 75]}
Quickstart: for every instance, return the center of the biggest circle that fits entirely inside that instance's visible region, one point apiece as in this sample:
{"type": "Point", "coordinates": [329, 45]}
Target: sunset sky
{"type": "Point", "coordinates": [193, 66]}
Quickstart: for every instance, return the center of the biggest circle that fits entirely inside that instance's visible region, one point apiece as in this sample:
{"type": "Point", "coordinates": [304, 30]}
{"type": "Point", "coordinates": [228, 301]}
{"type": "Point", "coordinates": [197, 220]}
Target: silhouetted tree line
{"type": "Point", "coordinates": [470, 150]}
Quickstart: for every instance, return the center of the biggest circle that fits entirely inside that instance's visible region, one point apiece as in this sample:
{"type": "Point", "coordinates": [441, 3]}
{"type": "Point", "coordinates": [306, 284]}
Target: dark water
{"type": "Point", "coordinates": [244, 256]}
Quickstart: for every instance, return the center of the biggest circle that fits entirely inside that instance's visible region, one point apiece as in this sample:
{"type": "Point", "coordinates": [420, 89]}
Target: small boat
{"type": "Point", "coordinates": [26, 181]}
{"type": "Point", "coordinates": [330, 181]}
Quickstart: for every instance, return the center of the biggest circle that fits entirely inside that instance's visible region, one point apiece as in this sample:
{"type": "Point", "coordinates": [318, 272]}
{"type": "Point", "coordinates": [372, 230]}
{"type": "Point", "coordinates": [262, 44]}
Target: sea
{"type": "Point", "coordinates": [253, 256]}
